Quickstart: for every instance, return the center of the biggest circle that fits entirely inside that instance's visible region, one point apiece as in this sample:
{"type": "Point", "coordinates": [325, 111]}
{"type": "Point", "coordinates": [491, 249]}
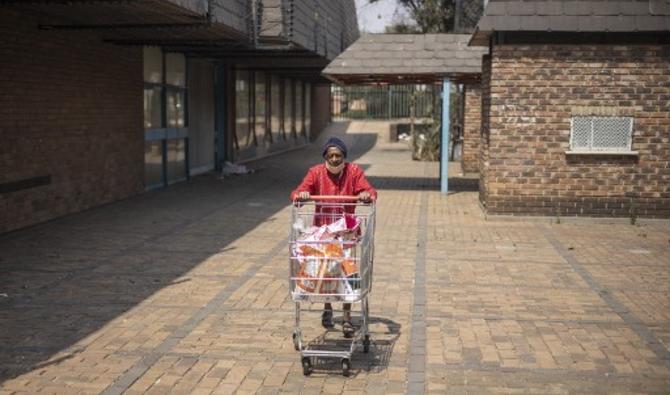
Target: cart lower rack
{"type": "Point", "coordinates": [331, 250]}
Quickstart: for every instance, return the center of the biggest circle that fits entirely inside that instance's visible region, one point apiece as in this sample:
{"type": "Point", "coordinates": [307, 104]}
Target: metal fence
{"type": "Point", "coordinates": [384, 101]}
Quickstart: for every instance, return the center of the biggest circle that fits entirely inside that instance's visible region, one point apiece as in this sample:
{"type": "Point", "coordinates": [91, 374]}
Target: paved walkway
{"type": "Point", "coordinates": [185, 291]}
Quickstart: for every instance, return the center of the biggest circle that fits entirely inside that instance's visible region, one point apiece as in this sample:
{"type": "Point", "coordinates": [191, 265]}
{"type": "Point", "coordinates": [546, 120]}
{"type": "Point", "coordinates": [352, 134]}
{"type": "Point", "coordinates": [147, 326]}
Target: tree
{"type": "Point", "coordinates": [402, 27]}
{"type": "Point", "coordinates": [439, 16]}
{"type": "Point", "coordinates": [431, 16]}
{"type": "Point", "coordinates": [402, 23]}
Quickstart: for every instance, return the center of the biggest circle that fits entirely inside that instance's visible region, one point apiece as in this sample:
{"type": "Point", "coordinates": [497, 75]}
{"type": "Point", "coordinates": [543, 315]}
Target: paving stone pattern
{"type": "Point", "coordinates": [184, 291]}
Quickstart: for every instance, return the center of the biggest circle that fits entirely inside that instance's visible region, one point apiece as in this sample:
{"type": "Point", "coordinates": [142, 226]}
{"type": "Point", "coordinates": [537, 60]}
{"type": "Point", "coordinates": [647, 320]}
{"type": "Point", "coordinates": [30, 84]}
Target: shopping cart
{"type": "Point", "coordinates": [331, 250]}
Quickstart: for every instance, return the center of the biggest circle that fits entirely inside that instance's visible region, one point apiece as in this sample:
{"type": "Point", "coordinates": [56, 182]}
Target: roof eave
{"type": "Point", "coordinates": [418, 78]}
{"type": "Point", "coordinates": [479, 38]}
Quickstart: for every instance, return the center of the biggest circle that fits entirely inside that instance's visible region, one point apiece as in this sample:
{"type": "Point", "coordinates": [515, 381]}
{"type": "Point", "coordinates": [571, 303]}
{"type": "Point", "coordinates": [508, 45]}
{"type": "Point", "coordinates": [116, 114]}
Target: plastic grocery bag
{"type": "Point", "coordinates": [320, 267]}
{"type": "Point", "coordinates": [323, 255]}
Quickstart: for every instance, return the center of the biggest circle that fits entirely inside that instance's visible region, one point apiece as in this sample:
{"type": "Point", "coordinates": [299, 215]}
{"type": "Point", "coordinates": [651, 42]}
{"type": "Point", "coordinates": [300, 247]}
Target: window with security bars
{"type": "Point", "coordinates": [601, 134]}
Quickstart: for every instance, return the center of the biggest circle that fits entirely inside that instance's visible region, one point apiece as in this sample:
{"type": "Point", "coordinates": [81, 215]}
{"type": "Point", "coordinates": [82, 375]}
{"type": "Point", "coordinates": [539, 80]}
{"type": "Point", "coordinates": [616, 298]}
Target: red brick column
{"type": "Point", "coordinates": [471, 129]}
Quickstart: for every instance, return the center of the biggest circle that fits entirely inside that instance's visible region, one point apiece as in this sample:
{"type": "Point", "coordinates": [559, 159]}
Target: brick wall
{"type": "Point", "coordinates": [471, 128]}
{"type": "Point", "coordinates": [71, 109]}
{"type": "Point", "coordinates": [485, 129]}
{"type": "Point", "coordinates": [536, 89]}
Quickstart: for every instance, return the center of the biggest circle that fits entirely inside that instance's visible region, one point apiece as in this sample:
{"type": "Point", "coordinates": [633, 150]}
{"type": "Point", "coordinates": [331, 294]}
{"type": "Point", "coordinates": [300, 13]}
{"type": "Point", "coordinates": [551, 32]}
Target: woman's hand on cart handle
{"type": "Point", "coordinates": [365, 197]}
{"type": "Point", "coordinates": [303, 196]}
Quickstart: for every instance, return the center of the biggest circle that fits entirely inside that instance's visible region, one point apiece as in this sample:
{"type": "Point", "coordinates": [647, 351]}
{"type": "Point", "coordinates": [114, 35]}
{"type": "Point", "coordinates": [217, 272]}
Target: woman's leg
{"type": "Point", "coordinates": [347, 326]}
{"type": "Point", "coordinates": [327, 316]}
{"type": "Point", "coordinates": [347, 311]}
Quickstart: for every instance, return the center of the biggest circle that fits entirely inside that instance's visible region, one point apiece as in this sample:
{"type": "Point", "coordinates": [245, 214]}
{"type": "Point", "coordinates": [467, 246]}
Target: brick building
{"type": "Point", "coordinates": [471, 127]}
{"type": "Point", "coordinates": [102, 100]}
{"type": "Point", "coordinates": [576, 108]}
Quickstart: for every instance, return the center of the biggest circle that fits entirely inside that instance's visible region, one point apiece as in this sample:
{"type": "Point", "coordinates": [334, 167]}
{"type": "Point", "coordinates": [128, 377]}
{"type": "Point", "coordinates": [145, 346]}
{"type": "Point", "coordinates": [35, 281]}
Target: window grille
{"type": "Point", "coordinates": [601, 134]}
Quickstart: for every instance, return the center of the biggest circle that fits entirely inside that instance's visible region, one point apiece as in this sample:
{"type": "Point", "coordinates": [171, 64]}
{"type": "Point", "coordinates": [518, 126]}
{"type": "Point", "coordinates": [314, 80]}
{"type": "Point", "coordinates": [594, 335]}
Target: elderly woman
{"type": "Point", "coordinates": [335, 176]}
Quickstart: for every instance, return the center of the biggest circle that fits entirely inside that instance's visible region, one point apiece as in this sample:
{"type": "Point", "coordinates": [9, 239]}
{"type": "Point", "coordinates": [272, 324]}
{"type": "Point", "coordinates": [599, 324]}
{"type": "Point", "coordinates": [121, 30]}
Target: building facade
{"type": "Point", "coordinates": [104, 100]}
{"type": "Point", "coordinates": [576, 109]}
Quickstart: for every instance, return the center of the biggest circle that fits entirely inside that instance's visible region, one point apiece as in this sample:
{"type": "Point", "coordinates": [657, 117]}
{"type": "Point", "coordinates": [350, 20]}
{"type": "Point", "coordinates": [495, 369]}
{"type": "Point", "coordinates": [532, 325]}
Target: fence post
{"type": "Point", "coordinates": [388, 101]}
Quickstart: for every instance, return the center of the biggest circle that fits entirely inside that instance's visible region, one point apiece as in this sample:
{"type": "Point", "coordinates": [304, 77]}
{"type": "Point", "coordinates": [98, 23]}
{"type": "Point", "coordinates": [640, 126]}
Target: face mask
{"type": "Point", "coordinates": [334, 169]}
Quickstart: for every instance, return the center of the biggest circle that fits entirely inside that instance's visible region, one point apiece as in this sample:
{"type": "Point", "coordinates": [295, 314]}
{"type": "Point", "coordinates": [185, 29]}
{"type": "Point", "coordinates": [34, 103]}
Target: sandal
{"type": "Point", "coordinates": [327, 318]}
{"type": "Point", "coordinates": [348, 329]}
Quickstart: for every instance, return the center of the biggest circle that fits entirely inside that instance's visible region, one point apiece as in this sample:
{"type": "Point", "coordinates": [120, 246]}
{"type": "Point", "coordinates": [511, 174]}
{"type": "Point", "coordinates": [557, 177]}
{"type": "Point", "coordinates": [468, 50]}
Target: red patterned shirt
{"type": "Point", "coordinates": [350, 182]}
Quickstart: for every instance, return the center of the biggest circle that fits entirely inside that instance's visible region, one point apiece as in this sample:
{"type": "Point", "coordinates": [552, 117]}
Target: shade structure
{"type": "Point", "coordinates": [412, 59]}
{"type": "Point", "coordinates": [408, 58]}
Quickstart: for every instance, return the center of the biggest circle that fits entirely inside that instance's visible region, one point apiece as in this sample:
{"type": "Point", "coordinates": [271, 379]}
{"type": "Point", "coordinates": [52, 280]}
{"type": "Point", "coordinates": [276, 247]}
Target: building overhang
{"type": "Point", "coordinates": [398, 79]}
{"type": "Point", "coordinates": [132, 21]}
{"type": "Point", "coordinates": [196, 28]}
{"type": "Point", "coordinates": [585, 20]}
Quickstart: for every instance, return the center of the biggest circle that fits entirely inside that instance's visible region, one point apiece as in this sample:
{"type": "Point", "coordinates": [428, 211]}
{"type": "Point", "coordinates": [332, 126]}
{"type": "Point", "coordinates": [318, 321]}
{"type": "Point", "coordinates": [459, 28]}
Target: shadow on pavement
{"type": "Point", "coordinates": [384, 334]}
{"type": "Point", "coordinates": [456, 184]}
{"type": "Point", "coordinates": [63, 281]}
{"type": "Point", "coordinates": [463, 184]}
{"type": "Point", "coordinates": [405, 183]}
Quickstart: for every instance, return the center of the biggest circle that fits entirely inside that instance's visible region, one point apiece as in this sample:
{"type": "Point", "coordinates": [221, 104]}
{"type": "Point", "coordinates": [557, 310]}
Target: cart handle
{"type": "Point", "coordinates": [333, 197]}
{"type": "Point", "coordinates": [339, 198]}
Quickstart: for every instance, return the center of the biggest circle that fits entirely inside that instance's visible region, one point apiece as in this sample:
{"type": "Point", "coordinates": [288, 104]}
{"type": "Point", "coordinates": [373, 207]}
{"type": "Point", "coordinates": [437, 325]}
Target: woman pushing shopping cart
{"type": "Point", "coordinates": [331, 249]}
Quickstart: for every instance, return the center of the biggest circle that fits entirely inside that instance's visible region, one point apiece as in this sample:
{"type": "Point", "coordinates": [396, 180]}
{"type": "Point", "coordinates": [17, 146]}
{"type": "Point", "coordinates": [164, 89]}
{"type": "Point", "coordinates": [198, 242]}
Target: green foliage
{"type": "Point", "coordinates": [431, 16]}
{"type": "Point", "coordinates": [426, 142]}
{"type": "Point", "coordinates": [402, 28]}
{"type": "Point", "coordinates": [426, 139]}
{"type": "Point", "coordinates": [438, 16]}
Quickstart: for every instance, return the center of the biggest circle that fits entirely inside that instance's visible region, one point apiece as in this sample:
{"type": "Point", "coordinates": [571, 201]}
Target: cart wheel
{"type": "Point", "coordinates": [346, 365]}
{"type": "Point", "coordinates": [296, 345]}
{"type": "Point", "coordinates": [306, 366]}
{"type": "Point", "coordinates": [366, 344]}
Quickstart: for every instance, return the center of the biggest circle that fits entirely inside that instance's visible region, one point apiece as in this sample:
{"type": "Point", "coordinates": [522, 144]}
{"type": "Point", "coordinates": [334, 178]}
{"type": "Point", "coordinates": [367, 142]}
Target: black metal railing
{"type": "Point", "coordinates": [384, 101]}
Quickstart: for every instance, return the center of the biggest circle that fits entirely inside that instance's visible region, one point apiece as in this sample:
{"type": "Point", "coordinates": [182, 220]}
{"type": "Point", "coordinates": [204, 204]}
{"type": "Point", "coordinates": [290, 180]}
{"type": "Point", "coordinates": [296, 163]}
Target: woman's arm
{"type": "Point", "coordinates": [361, 184]}
{"type": "Point", "coordinates": [308, 184]}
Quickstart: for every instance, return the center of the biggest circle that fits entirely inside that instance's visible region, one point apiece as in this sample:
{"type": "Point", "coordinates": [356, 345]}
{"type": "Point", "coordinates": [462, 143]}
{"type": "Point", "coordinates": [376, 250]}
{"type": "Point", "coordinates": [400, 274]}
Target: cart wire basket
{"type": "Point", "coordinates": [331, 255]}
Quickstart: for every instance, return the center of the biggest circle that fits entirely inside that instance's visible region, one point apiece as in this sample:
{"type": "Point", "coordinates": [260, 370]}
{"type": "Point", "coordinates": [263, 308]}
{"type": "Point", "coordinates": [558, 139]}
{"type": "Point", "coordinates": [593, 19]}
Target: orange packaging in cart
{"type": "Point", "coordinates": [349, 267]}
{"type": "Point", "coordinates": [315, 277]}
{"type": "Point", "coordinates": [334, 251]}
{"type": "Point", "coordinates": [310, 251]}
{"type": "Point", "coordinates": [321, 267]}
{"type": "Point", "coordinates": [324, 286]}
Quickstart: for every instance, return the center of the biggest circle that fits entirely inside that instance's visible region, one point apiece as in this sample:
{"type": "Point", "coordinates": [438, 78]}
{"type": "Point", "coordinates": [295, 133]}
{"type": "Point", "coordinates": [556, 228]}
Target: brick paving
{"type": "Point", "coordinates": [185, 291]}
